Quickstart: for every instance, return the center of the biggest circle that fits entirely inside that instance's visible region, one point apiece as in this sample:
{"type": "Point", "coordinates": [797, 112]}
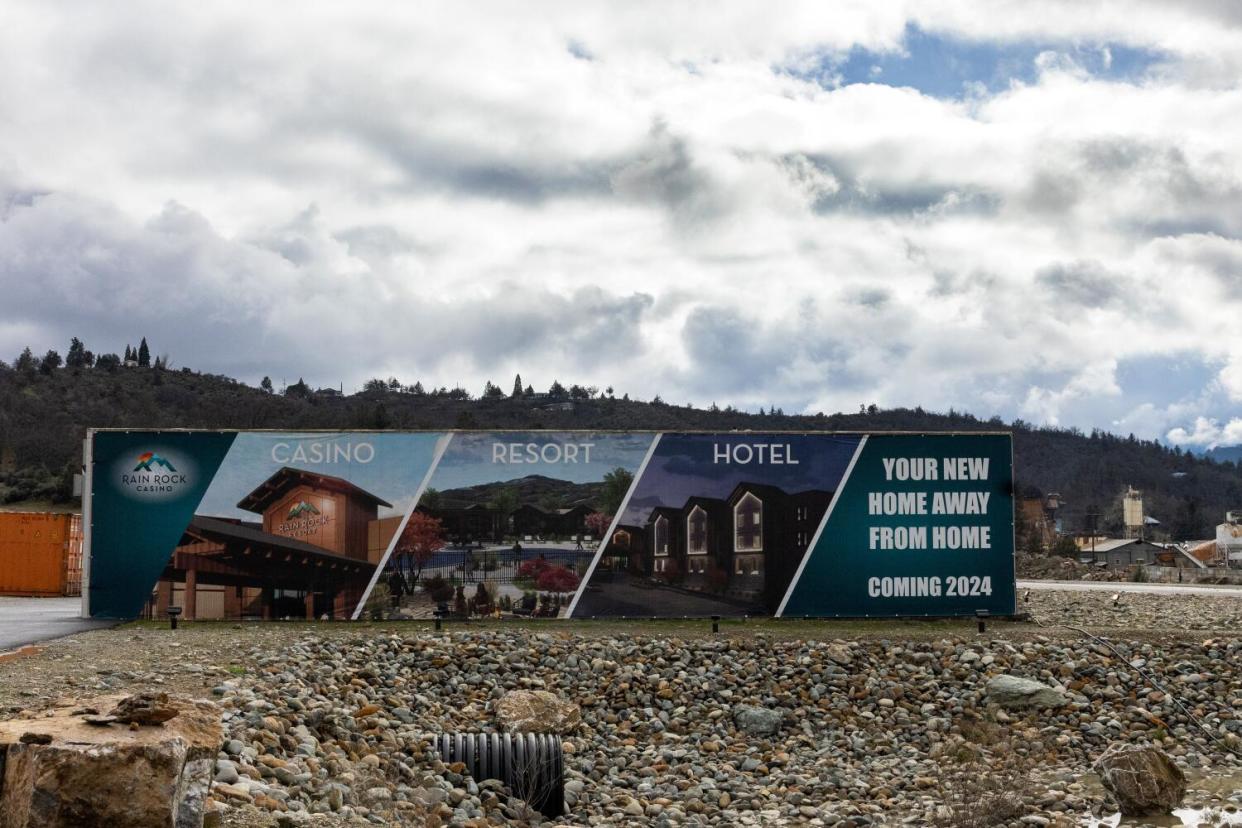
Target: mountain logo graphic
{"type": "Point", "coordinates": [302, 508]}
{"type": "Point", "coordinates": [149, 459]}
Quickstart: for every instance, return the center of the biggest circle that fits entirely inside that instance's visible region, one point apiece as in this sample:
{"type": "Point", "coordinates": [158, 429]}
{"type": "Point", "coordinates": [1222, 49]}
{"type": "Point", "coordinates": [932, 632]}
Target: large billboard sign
{"type": "Point", "coordinates": [393, 525]}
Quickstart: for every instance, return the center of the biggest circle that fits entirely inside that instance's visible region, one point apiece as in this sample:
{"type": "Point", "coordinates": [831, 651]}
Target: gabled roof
{"type": "Point", "coordinates": [763, 491]}
{"type": "Point", "coordinates": [288, 478]}
{"type": "Point", "coordinates": [224, 530]}
{"type": "Point", "coordinates": [665, 511]}
{"type": "Point", "coordinates": [541, 510]}
{"type": "Point", "coordinates": [711, 505]}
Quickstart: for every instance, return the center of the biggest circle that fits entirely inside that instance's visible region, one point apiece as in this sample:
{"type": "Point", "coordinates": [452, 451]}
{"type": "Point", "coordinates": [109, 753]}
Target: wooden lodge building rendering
{"type": "Point", "coordinates": [747, 545]}
{"type": "Point", "coordinates": [477, 523]}
{"type": "Point", "coordinates": [311, 554]}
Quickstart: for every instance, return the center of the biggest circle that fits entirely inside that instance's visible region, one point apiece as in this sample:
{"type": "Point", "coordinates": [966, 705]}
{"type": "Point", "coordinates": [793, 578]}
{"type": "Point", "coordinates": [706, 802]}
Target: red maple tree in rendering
{"type": "Point", "coordinates": [597, 523]}
{"type": "Point", "coordinates": [422, 538]}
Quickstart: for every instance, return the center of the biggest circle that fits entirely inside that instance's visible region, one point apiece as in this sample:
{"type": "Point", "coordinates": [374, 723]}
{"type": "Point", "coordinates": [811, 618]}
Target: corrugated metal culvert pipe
{"type": "Point", "coordinates": [531, 765]}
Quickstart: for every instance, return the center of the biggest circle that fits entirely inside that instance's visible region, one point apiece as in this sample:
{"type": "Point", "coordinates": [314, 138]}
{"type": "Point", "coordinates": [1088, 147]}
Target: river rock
{"type": "Point", "coordinates": [139, 777]}
{"type": "Point", "coordinates": [537, 711]}
{"type": "Point", "coordinates": [757, 721]}
{"type": "Point", "coordinates": [1143, 780]}
{"type": "Point", "coordinates": [1015, 693]}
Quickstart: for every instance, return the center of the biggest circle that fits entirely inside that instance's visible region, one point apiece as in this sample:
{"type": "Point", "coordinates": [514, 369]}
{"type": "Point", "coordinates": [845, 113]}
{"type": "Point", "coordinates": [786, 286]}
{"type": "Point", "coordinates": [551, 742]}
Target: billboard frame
{"type": "Point", "coordinates": [88, 515]}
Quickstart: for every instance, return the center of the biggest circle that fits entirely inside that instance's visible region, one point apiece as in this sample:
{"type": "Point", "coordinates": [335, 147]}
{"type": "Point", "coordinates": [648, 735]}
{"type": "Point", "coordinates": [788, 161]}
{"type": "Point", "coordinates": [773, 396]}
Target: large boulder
{"type": "Point", "coordinates": [757, 721]}
{"type": "Point", "coordinates": [1014, 693]}
{"type": "Point", "coordinates": [1143, 780]}
{"type": "Point", "coordinates": [537, 711]}
{"type": "Point", "coordinates": [74, 767]}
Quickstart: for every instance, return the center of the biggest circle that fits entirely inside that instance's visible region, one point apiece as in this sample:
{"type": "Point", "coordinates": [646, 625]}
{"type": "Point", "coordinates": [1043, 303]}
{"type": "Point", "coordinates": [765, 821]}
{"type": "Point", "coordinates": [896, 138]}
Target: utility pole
{"type": "Point", "coordinates": [1092, 520]}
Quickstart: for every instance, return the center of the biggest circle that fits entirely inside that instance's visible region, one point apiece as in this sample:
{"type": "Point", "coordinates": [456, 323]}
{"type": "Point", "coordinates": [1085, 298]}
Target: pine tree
{"type": "Point", "coordinates": [144, 354]}
{"type": "Point", "coordinates": [129, 353]}
{"type": "Point", "coordinates": [76, 356]}
{"type": "Point", "coordinates": [51, 361]}
{"type": "Point", "coordinates": [26, 362]}
{"type": "Point", "coordinates": [266, 384]}
{"type": "Point", "coordinates": [517, 386]}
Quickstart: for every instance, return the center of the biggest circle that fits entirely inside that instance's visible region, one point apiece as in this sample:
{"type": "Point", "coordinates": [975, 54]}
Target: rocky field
{"type": "Point", "coordinates": [764, 724]}
{"type": "Point", "coordinates": [1057, 568]}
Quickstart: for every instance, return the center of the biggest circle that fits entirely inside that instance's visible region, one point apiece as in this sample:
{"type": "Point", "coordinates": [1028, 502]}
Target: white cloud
{"type": "Point", "coordinates": [1231, 377]}
{"type": "Point", "coordinates": [1208, 433]}
{"type": "Point", "coordinates": [649, 197]}
{"type": "Point", "coordinates": [1094, 380]}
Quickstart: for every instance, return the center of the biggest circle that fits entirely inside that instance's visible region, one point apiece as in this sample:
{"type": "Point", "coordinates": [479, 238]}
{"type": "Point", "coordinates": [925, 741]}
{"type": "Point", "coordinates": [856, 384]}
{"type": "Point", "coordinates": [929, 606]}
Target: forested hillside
{"type": "Point", "coordinates": [45, 410]}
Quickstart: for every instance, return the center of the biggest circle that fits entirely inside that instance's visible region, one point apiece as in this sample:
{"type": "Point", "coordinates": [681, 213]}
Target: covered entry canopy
{"type": "Point", "coordinates": [235, 554]}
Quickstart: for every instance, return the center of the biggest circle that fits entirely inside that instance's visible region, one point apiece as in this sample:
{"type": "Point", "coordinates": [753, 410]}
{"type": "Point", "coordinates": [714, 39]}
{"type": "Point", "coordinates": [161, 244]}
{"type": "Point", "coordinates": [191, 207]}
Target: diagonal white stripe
{"type": "Point", "coordinates": [810, 550]}
{"type": "Point", "coordinates": [599, 551]}
{"type": "Point", "coordinates": [441, 445]}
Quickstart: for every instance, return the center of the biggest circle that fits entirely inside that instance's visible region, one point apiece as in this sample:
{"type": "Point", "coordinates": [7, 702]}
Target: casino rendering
{"type": "Point", "coordinates": [310, 553]}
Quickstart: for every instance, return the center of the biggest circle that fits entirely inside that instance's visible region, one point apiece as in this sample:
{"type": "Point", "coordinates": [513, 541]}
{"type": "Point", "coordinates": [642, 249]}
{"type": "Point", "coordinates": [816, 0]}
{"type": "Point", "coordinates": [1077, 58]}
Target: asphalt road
{"type": "Point", "coordinates": [1130, 586]}
{"type": "Point", "coordinates": [28, 620]}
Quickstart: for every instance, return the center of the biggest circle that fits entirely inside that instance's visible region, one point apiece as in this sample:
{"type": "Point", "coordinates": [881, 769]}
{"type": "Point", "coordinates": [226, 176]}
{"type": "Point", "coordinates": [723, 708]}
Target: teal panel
{"type": "Point", "coordinates": [910, 544]}
{"type": "Point", "coordinates": [145, 487]}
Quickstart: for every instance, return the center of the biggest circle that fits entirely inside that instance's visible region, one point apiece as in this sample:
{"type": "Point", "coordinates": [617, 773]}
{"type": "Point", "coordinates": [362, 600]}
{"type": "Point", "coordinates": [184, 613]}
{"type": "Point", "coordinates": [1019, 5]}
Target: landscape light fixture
{"type": "Point", "coordinates": [173, 612]}
{"type": "Point", "coordinates": [715, 623]}
{"type": "Point", "coordinates": [439, 616]}
{"type": "Point", "coordinates": [1116, 599]}
{"type": "Point", "coordinates": [982, 617]}
{"type": "Point", "coordinates": [1026, 597]}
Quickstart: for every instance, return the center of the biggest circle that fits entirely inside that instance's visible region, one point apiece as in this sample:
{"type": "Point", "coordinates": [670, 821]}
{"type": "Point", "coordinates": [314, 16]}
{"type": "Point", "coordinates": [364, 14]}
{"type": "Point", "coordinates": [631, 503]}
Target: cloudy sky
{"type": "Point", "coordinates": [1015, 208]}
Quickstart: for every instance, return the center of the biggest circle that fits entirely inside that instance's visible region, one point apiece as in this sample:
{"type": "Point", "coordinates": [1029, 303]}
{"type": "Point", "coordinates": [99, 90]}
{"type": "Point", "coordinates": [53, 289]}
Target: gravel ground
{"type": "Point", "coordinates": [881, 723]}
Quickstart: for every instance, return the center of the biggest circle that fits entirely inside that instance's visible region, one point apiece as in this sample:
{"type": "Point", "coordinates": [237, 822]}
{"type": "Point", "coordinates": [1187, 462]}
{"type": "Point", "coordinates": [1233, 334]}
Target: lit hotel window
{"type": "Point", "coordinates": [748, 523]}
{"type": "Point", "coordinates": [696, 525]}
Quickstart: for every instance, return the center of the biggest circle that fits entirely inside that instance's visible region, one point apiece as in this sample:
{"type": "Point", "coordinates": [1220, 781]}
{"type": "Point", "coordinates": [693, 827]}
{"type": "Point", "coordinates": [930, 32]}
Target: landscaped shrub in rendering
{"type": "Point", "coordinates": [557, 579]}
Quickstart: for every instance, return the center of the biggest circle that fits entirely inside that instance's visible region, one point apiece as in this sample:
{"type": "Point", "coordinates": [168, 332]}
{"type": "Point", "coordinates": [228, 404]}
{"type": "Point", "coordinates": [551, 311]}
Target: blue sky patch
{"type": "Point", "coordinates": [943, 67]}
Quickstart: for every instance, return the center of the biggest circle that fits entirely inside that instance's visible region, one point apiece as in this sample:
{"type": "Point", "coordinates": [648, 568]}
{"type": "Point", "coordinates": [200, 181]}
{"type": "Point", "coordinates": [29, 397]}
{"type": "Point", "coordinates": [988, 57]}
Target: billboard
{"type": "Point", "coordinates": [402, 525]}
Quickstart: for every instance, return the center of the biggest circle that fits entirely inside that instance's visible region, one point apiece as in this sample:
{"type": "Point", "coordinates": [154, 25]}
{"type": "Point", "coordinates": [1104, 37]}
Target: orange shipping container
{"type": "Point", "coordinates": [40, 554]}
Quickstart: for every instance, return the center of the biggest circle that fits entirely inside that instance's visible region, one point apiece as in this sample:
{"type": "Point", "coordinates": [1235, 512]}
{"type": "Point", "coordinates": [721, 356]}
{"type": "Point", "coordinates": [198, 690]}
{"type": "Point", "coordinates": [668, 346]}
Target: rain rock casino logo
{"type": "Point", "coordinates": [304, 519]}
{"type": "Point", "coordinates": [154, 475]}
{"type": "Point", "coordinates": [301, 508]}
{"type": "Point", "coordinates": [149, 458]}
